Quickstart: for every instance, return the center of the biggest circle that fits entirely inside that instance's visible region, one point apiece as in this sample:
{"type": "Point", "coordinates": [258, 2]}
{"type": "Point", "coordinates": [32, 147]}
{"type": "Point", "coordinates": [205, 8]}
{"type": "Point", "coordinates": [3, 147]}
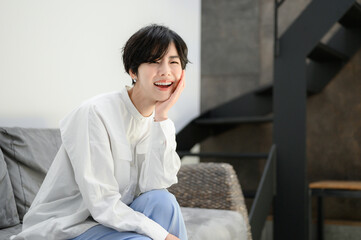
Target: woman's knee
{"type": "Point", "coordinates": [164, 201]}
{"type": "Point", "coordinates": [159, 200]}
{"type": "Point", "coordinates": [162, 194]}
{"type": "Point", "coordinates": [162, 197]}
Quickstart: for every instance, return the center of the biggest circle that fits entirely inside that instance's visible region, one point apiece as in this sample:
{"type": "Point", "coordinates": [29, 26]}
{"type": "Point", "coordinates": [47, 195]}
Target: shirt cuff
{"type": "Point", "coordinates": [156, 231]}
{"type": "Point", "coordinates": [163, 134]}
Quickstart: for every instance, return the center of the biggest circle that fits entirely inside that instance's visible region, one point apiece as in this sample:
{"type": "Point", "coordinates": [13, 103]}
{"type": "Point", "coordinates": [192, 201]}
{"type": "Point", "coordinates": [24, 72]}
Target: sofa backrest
{"type": "Point", "coordinates": [8, 212]}
{"type": "Point", "coordinates": [28, 154]}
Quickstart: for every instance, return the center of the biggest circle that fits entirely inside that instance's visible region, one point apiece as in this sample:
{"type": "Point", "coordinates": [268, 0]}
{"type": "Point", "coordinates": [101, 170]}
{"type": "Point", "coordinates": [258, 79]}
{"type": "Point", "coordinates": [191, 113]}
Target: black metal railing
{"type": "Point", "coordinates": [291, 81]}
{"type": "Point", "coordinates": [277, 5]}
{"type": "Point", "coordinates": [264, 196]}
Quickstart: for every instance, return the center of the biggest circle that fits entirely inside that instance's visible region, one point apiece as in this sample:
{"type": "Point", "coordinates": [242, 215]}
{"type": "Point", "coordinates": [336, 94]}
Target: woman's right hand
{"type": "Point", "coordinates": [171, 237]}
{"type": "Point", "coordinates": [162, 108]}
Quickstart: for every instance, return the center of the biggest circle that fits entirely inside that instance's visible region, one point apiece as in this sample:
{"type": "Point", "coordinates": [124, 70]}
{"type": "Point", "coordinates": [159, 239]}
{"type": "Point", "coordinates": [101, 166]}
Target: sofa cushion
{"type": "Point", "coordinates": [210, 224]}
{"type": "Point", "coordinates": [6, 233]}
{"type": "Point", "coordinates": [28, 154]}
{"type": "Point", "coordinates": [214, 224]}
{"type": "Point", "coordinates": [8, 212]}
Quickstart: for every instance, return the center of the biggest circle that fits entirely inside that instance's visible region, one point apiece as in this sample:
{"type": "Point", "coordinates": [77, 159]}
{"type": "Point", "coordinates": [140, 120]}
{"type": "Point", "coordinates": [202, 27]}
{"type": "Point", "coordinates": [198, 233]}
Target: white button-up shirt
{"type": "Point", "coordinates": [110, 154]}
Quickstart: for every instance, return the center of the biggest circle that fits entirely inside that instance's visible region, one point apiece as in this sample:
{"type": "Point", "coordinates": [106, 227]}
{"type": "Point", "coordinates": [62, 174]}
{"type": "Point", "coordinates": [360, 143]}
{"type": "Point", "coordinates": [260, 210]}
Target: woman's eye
{"type": "Point", "coordinates": [175, 62]}
{"type": "Point", "coordinates": [154, 62]}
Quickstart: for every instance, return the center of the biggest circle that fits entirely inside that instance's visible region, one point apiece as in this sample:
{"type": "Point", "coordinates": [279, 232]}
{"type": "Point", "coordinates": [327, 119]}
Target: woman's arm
{"type": "Point", "coordinates": [162, 162]}
{"type": "Point", "coordinates": [87, 144]}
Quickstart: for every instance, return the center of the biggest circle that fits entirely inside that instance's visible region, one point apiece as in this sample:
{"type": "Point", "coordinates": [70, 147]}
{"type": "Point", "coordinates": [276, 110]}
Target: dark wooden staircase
{"type": "Point", "coordinates": [304, 66]}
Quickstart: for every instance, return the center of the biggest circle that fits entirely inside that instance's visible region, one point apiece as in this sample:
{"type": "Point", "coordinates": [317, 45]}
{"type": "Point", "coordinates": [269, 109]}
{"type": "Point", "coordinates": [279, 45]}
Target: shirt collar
{"type": "Point", "coordinates": [130, 106]}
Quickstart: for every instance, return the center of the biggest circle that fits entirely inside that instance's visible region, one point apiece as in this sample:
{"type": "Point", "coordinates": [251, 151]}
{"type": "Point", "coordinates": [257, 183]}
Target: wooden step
{"type": "Point", "coordinates": [340, 185]}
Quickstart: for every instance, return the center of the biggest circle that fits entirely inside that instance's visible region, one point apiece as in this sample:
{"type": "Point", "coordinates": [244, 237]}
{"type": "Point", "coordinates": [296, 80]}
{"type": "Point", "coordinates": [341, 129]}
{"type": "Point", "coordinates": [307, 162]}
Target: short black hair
{"type": "Point", "coordinates": [151, 43]}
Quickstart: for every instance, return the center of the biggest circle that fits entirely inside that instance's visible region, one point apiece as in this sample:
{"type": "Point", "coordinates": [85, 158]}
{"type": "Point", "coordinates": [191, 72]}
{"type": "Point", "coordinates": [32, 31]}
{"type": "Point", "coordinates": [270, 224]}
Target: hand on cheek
{"type": "Point", "coordinates": [162, 108]}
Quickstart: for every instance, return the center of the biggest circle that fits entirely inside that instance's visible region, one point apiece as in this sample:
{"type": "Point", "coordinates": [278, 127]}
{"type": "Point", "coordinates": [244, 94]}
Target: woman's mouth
{"type": "Point", "coordinates": [163, 86]}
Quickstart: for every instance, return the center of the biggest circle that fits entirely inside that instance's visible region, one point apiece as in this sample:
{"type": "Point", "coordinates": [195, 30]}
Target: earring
{"type": "Point", "coordinates": [134, 80]}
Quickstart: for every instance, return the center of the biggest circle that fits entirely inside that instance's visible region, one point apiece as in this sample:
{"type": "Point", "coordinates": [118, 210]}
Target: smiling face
{"type": "Point", "coordinates": [157, 80]}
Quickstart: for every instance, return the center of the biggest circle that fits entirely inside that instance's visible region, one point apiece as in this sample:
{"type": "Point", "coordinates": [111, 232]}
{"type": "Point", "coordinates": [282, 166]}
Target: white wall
{"type": "Point", "coordinates": [56, 54]}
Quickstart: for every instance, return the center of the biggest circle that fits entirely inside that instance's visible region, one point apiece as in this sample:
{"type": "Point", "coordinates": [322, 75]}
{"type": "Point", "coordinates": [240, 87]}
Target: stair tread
{"type": "Point", "coordinates": [234, 120]}
{"type": "Point", "coordinates": [249, 193]}
{"type": "Point", "coordinates": [267, 89]}
{"type": "Point", "coordinates": [332, 184]}
{"type": "Point", "coordinates": [324, 53]}
{"type": "Point", "coordinates": [352, 18]}
{"type": "Point", "coordinates": [223, 154]}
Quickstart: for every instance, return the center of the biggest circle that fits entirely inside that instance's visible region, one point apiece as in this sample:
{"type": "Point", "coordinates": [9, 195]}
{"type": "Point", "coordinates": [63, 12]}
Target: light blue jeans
{"type": "Point", "coordinates": [159, 205]}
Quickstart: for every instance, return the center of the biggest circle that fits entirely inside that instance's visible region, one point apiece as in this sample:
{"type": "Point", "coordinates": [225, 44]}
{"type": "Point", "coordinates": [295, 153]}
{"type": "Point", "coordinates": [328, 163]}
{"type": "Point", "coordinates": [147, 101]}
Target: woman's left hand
{"type": "Point", "coordinates": [162, 108]}
{"type": "Point", "coordinates": [171, 237]}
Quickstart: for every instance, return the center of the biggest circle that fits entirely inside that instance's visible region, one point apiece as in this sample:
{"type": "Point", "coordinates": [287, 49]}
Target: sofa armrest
{"type": "Point", "coordinates": [209, 185]}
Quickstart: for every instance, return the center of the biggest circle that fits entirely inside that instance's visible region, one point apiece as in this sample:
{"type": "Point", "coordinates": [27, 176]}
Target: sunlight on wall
{"type": "Point", "coordinates": [56, 54]}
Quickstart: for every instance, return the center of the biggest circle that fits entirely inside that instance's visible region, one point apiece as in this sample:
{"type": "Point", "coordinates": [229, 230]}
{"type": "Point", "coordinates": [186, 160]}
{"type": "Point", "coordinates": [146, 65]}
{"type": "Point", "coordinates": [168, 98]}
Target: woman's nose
{"type": "Point", "coordinates": [164, 69]}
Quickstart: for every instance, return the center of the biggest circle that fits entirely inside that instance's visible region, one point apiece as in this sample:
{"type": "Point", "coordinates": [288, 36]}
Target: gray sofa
{"type": "Point", "coordinates": [209, 194]}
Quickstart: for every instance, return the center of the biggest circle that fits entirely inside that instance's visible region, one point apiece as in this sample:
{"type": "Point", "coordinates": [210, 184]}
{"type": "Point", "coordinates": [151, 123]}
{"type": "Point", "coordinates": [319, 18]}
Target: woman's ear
{"type": "Point", "coordinates": [132, 74]}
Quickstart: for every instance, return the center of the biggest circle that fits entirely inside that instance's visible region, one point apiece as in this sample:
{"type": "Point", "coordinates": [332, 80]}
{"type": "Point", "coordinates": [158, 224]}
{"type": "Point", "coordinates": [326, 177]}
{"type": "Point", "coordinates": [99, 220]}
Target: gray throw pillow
{"type": "Point", "coordinates": [8, 213]}
{"type": "Point", "coordinates": [28, 153]}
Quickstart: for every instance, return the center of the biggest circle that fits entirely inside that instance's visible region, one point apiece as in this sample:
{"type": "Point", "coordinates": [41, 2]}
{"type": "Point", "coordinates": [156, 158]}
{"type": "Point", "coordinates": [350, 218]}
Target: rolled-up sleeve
{"type": "Point", "coordinates": [162, 162]}
{"type": "Point", "coordinates": [87, 143]}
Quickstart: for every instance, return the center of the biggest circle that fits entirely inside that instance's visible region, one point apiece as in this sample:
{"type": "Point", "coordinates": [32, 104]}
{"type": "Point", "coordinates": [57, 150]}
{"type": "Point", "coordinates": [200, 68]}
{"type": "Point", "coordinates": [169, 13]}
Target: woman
{"type": "Point", "coordinates": [109, 178]}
